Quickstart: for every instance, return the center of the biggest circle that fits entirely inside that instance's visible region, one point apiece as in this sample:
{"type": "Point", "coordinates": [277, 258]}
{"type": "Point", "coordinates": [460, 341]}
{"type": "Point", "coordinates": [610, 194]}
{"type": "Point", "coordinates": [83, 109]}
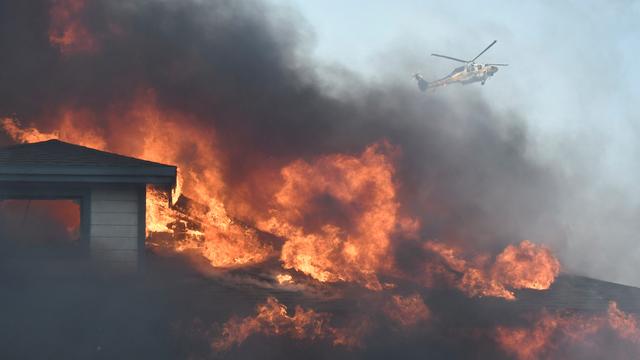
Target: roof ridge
{"type": "Point", "coordinates": [83, 148]}
{"type": "Point", "coordinates": [107, 152]}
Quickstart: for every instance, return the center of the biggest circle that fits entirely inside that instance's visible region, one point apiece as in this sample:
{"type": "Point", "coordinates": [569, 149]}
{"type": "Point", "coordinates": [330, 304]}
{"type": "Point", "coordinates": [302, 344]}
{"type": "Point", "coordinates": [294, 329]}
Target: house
{"type": "Point", "coordinates": [109, 188]}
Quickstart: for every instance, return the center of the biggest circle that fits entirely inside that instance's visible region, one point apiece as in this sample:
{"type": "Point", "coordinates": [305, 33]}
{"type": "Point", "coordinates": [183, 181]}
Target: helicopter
{"type": "Point", "coordinates": [469, 73]}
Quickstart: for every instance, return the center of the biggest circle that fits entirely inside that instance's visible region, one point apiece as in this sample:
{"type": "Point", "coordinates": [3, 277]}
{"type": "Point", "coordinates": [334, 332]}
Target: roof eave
{"type": "Point", "coordinates": [87, 170]}
{"type": "Point", "coordinates": [53, 178]}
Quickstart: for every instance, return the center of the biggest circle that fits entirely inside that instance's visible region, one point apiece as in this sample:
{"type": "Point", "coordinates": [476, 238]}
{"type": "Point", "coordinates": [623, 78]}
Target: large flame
{"type": "Point", "coordinates": [151, 135]}
{"type": "Point", "coordinates": [337, 214]}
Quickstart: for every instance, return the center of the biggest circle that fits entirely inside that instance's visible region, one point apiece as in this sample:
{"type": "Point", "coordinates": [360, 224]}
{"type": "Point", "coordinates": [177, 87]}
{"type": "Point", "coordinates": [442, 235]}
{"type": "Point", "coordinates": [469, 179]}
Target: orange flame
{"type": "Point", "coordinates": [555, 331]}
{"type": "Point", "coordinates": [525, 266]}
{"type": "Point", "coordinates": [272, 319]}
{"type": "Point", "coordinates": [67, 130]}
{"type": "Point", "coordinates": [284, 279]}
{"type": "Point", "coordinates": [336, 213]}
{"type": "Point", "coordinates": [63, 212]}
{"type": "Point", "coordinates": [625, 325]}
{"type": "Point", "coordinates": [223, 241]}
{"type": "Point", "coordinates": [407, 311]}
{"type": "Point", "coordinates": [352, 245]}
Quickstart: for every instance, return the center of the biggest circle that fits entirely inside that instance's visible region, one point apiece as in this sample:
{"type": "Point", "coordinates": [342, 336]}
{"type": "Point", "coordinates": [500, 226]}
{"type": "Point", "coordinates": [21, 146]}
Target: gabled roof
{"type": "Point", "coordinates": [55, 160]}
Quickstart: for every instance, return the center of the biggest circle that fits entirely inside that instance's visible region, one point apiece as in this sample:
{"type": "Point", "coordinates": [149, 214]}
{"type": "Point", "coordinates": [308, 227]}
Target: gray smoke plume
{"type": "Point", "coordinates": [241, 68]}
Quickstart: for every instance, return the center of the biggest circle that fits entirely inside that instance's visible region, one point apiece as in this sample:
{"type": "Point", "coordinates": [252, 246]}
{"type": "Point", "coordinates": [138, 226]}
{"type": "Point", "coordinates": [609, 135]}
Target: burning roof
{"type": "Point", "coordinates": [54, 160]}
{"type": "Point", "coordinates": [335, 213]}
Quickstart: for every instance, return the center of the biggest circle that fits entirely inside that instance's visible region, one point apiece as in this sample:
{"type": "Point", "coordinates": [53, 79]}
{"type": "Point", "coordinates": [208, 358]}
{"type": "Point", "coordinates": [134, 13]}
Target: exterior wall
{"type": "Point", "coordinates": [116, 220]}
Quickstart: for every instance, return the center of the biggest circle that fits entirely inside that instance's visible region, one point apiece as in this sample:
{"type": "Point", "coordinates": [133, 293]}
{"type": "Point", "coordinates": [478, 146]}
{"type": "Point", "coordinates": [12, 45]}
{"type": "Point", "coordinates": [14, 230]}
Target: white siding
{"type": "Point", "coordinates": [113, 206]}
{"type": "Point", "coordinates": [114, 218]}
{"type": "Point", "coordinates": [114, 230]}
{"type": "Point", "coordinates": [103, 243]}
{"type": "Point", "coordinates": [114, 226]}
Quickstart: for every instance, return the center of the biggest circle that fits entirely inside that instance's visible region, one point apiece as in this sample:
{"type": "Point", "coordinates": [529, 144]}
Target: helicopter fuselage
{"type": "Point", "coordinates": [470, 72]}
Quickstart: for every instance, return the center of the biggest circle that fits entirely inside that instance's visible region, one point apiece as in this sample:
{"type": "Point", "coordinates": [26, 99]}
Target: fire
{"type": "Point", "coordinates": [625, 325]}
{"type": "Point", "coordinates": [151, 135]}
{"type": "Point", "coordinates": [158, 217]}
{"type": "Point", "coordinates": [272, 318]}
{"type": "Point", "coordinates": [25, 212]}
{"type": "Point", "coordinates": [525, 266]}
{"type": "Point", "coordinates": [67, 31]}
{"type": "Point", "coordinates": [223, 241]}
{"type": "Point", "coordinates": [67, 130]}
{"type": "Point", "coordinates": [284, 279]}
{"type": "Point", "coordinates": [337, 214]}
{"type": "Point", "coordinates": [328, 219]}
{"type": "Point", "coordinates": [12, 127]}
{"type": "Point", "coordinates": [555, 331]}
{"type": "Point", "coordinates": [407, 311]}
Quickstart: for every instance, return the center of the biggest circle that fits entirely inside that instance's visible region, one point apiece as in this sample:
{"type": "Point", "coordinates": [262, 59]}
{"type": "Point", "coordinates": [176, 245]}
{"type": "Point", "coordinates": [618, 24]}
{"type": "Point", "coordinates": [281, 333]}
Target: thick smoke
{"type": "Point", "coordinates": [240, 68]}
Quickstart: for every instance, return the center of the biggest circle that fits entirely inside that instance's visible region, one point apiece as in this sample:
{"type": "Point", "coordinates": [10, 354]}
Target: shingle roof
{"type": "Point", "coordinates": [57, 160]}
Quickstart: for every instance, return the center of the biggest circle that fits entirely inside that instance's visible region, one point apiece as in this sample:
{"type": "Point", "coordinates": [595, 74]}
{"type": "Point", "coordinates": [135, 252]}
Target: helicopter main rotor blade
{"type": "Point", "coordinates": [450, 58]}
{"type": "Point", "coordinates": [485, 50]}
{"type": "Point", "coordinates": [498, 64]}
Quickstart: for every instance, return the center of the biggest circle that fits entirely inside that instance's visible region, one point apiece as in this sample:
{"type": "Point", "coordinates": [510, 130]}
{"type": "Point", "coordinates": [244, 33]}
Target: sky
{"type": "Point", "coordinates": [573, 77]}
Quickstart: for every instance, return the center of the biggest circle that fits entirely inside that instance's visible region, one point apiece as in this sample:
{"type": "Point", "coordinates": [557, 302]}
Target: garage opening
{"type": "Point", "coordinates": [40, 227]}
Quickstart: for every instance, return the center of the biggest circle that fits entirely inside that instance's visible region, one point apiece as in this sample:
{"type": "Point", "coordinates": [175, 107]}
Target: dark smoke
{"type": "Point", "coordinates": [241, 68]}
